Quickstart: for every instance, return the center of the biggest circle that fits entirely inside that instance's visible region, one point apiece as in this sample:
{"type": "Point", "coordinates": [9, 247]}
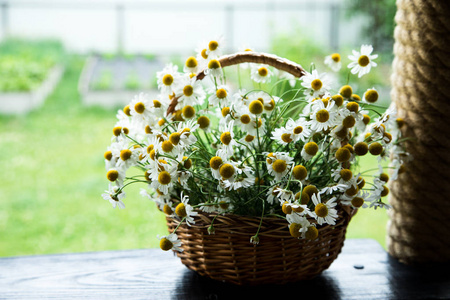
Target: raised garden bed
{"type": "Point", "coordinates": [29, 71]}
{"type": "Point", "coordinates": [113, 81]}
{"type": "Point", "coordinates": [22, 102]}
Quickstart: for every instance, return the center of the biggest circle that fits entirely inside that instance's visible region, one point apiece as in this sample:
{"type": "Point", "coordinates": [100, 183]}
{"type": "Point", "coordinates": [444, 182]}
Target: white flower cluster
{"type": "Point", "coordinates": [201, 147]}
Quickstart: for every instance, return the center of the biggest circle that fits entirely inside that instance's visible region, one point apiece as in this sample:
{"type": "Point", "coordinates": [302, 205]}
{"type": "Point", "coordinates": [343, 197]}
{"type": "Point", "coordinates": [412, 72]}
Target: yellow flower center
{"type": "Point", "coordinates": [245, 119]}
{"type": "Point", "coordinates": [256, 107]}
{"type": "Point", "coordinates": [322, 116]}
{"type": "Point", "coordinates": [371, 96]}
{"type": "Point", "coordinates": [312, 233]}
{"type": "Point", "coordinates": [139, 107]}
{"type": "Point", "coordinates": [165, 244]}
{"type": "Point", "coordinates": [375, 148]}
{"type": "Point", "coordinates": [361, 183]}
{"type": "Point", "coordinates": [215, 162]}
{"type": "Point", "coordinates": [161, 122]}
{"type": "Point", "coordinates": [357, 201]}
{"type": "Point", "coordinates": [366, 119]}
{"type": "Point", "coordinates": [336, 57]}
{"type": "Point", "coordinates": [213, 45]}
{"type": "Point", "coordinates": [346, 91]}
{"type": "Point", "coordinates": [343, 154]}
{"type": "Point", "coordinates": [226, 171]}
{"type": "Point", "coordinates": [226, 138]}
{"type": "Point", "coordinates": [150, 148]}
{"type": "Point", "coordinates": [346, 174]}
{"type": "Point", "coordinates": [400, 122]}
{"type": "Point", "coordinates": [348, 122]}
{"type": "Point", "coordinates": [321, 210]}
{"type": "Point", "coordinates": [108, 155]}
{"type": "Point", "coordinates": [187, 162]}
{"type": "Point", "coordinates": [385, 191]}
{"type": "Point", "coordinates": [279, 166]}
{"type": "Point", "coordinates": [117, 130]}
{"type": "Point", "coordinates": [127, 110]}
{"type": "Point", "coordinates": [225, 111]}
{"type": "Point", "coordinates": [384, 177]}
{"type": "Point", "coordinates": [361, 148]}
{"type": "Point", "coordinates": [167, 79]}
{"type": "Point", "coordinates": [294, 229]}
{"type": "Point", "coordinates": [299, 172]}
{"type": "Point", "coordinates": [188, 90]}
{"type": "Point", "coordinates": [298, 130]}
{"type": "Point", "coordinates": [263, 72]}
{"type": "Point", "coordinates": [191, 62]}
{"type": "Point", "coordinates": [156, 103]}
{"type": "Point", "coordinates": [363, 60]}
{"type": "Point", "coordinates": [188, 111]}
{"type": "Point", "coordinates": [164, 178]}
{"type": "Point", "coordinates": [112, 175]}
{"type": "Point", "coordinates": [214, 64]}
{"type": "Point", "coordinates": [203, 54]}
{"type": "Point", "coordinates": [125, 154]}
{"type": "Point", "coordinates": [287, 209]}
{"type": "Point", "coordinates": [352, 191]}
{"type": "Point", "coordinates": [270, 106]}
{"type": "Point", "coordinates": [203, 122]}
{"type": "Point", "coordinates": [167, 209]}
{"type": "Point", "coordinates": [180, 210]}
{"type": "Point", "coordinates": [353, 106]}
{"type": "Point", "coordinates": [311, 148]}
{"type": "Point", "coordinates": [221, 93]}
{"type": "Point", "coordinates": [316, 84]}
{"type": "Point", "coordinates": [167, 146]}
{"type": "Point", "coordinates": [338, 100]}
{"type": "Point", "coordinates": [249, 138]}
{"type": "Point", "coordinates": [286, 137]}
{"type": "Point", "coordinates": [174, 138]}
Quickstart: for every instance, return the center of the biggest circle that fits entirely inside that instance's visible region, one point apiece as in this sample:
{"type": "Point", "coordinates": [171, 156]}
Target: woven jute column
{"type": "Point", "coordinates": [419, 226]}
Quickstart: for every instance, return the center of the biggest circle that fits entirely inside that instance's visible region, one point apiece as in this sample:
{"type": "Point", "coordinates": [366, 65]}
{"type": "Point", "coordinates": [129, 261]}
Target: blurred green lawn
{"type": "Point", "coordinates": [52, 176]}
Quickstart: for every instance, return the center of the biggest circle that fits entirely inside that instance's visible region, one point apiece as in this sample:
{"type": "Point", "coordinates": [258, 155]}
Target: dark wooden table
{"type": "Point", "coordinates": [362, 271]}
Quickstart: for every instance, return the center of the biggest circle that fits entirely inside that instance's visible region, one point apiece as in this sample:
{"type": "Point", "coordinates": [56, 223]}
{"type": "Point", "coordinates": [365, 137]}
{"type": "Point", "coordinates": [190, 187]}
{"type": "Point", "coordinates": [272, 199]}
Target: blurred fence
{"type": "Point", "coordinates": [175, 26]}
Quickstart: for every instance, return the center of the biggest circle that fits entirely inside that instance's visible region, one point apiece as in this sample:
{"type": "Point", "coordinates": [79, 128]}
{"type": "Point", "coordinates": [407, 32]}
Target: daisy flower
{"type": "Point", "coordinates": [298, 225]}
{"type": "Point", "coordinates": [309, 150]}
{"type": "Point", "coordinates": [299, 129]}
{"type": "Point", "coordinates": [316, 84]}
{"type": "Point", "coordinates": [279, 164]}
{"type": "Point", "coordinates": [164, 178]}
{"type": "Point", "coordinates": [191, 65]}
{"type": "Point", "coordinates": [190, 92]}
{"type": "Point", "coordinates": [215, 47]}
{"type": "Point", "coordinates": [170, 242]}
{"type": "Point", "coordinates": [185, 210]}
{"type": "Point", "coordinates": [333, 61]}
{"type": "Point", "coordinates": [325, 212]}
{"type": "Point", "coordinates": [359, 200]}
{"type": "Point", "coordinates": [227, 141]}
{"type": "Point", "coordinates": [362, 61]}
{"type": "Point", "coordinates": [283, 136]}
{"type": "Point", "coordinates": [214, 68]}
{"type": "Point", "coordinates": [260, 73]}
{"type": "Point", "coordinates": [113, 197]}
{"type": "Point", "coordinates": [220, 97]}
{"type": "Point", "coordinates": [167, 79]}
{"type": "Point", "coordinates": [322, 117]}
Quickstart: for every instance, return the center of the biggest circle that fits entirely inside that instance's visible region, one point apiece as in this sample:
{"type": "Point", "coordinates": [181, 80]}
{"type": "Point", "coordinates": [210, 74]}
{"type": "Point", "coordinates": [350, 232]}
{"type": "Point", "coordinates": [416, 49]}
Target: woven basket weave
{"type": "Point", "coordinates": [279, 258]}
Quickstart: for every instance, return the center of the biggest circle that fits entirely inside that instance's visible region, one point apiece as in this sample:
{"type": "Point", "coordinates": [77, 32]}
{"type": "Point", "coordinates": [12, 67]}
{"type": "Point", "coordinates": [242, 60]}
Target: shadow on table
{"type": "Point", "coordinates": [194, 286]}
{"type": "Point", "coordinates": [425, 281]}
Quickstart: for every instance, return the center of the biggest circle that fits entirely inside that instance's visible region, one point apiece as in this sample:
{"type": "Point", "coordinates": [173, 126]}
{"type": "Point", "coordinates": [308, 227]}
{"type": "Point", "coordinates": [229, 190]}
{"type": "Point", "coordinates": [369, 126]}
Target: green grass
{"type": "Point", "coordinates": [53, 175]}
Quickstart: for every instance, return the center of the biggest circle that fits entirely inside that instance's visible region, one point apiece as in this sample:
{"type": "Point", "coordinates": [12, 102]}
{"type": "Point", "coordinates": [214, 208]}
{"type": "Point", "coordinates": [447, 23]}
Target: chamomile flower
{"type": "Point", "coordinates": [164, 177]}
{"type": "Point", "coordinates": [283, 136]}
{"type": "Point", "coordinates": [126, 157]}
{"type": "Point", "coordinates": [260, 73]}
{"type": "Point", "coordinates": [316, 84]}
{"type": "Point", "coordinates": [114, 196]}
{"type": "Point", "coordinates": [325, 212]}
{"type": "Point", "coordinates": [220, 97]}
{"type": "Point", "coordinates": [227, 140]}
{"type": "Point", "coordinates": [215, 48]}
{"type": "Point", "coordinates": [116, 175]}
{"type": "Point", "coordinates": [279, 164]}
{"type": "Point", "coordinates": [190, 92]}
{"type": "Point", "coordinates": [215, 68]}
{"type": "Point", "coordinates": [170, 242]}
{"type": "Point", "coordinates": [357, 201]}
{"type": "Point", "coordinates": [322, 117]}
{"type": "Point", "coordinates": [362, 61]}
{"type": "Point", "coordinates": [298, 129]}
{"type": "Point", "coordinates": [309, 150]}
{"type": "Point", "coordinates": [185, 210]}
{"type": "Point", "coordinates": [167, 79]}
{"type": "Point", "coordinates": [333, 61]}
{"type": "Point", "coordinates": [191, 65]}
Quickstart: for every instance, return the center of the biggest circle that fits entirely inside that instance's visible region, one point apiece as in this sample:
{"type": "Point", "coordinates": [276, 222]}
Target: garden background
{"type": "Point", "coordinates": [51, 158]}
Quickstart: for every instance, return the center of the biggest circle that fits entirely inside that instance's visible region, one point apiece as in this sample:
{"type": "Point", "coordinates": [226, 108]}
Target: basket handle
{"type": "Point", "coordinates": [279, 63]}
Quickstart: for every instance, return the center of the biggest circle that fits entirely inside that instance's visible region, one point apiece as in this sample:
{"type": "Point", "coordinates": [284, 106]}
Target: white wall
{"type": "Point", "coordinates": [172, 26]}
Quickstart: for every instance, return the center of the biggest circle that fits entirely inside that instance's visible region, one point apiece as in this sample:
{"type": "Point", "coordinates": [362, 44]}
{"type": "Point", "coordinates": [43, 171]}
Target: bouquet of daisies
{"type": "Point", "coordinates": [284, 146]}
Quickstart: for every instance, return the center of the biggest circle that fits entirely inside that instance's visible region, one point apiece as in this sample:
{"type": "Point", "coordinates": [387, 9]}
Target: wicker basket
{"type": "Point", "coordinates": [279, 258]}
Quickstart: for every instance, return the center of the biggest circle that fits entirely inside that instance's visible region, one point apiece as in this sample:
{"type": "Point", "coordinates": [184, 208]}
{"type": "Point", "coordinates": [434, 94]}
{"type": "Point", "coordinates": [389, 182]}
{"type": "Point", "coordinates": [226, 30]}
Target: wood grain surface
{"type": "Point", "coordinates": [362, 271]}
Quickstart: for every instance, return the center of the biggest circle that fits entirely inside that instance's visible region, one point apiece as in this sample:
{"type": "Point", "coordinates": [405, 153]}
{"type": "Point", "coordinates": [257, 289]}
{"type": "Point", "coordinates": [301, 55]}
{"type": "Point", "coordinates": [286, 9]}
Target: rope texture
{"type": "Point", "coordinates": [419, 226]}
